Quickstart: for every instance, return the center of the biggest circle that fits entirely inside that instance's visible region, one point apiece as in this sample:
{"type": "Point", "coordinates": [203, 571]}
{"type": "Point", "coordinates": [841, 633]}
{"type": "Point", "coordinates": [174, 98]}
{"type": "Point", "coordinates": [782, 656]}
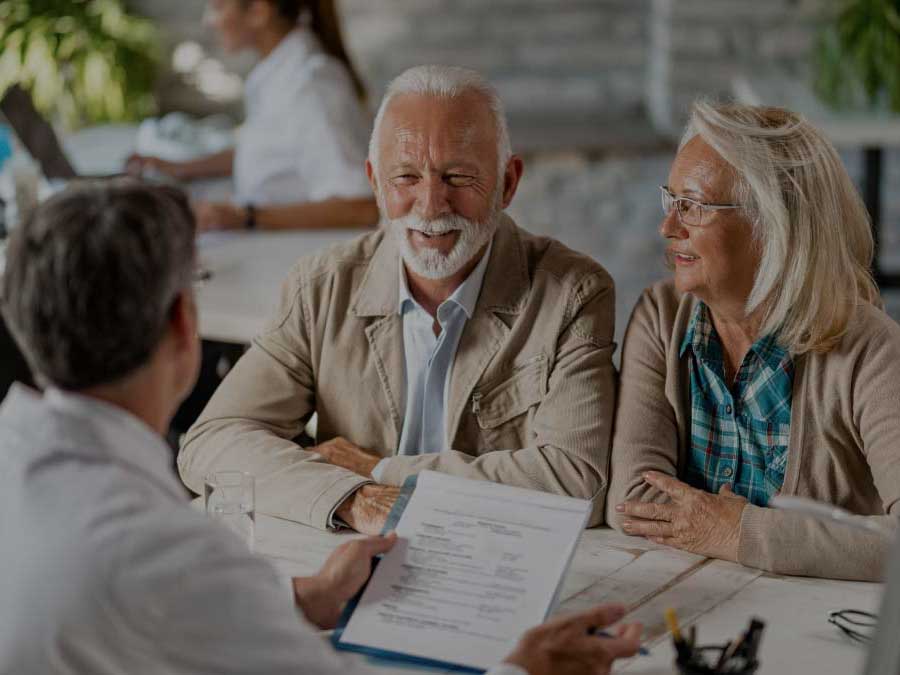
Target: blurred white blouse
{"type": "Point", "coordinates": [306, 134]}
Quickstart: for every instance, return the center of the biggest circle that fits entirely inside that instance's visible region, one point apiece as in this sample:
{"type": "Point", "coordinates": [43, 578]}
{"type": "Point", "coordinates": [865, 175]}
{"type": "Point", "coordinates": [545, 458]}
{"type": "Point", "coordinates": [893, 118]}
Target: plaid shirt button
{"type": "Point", "coordinates": [740, 429]}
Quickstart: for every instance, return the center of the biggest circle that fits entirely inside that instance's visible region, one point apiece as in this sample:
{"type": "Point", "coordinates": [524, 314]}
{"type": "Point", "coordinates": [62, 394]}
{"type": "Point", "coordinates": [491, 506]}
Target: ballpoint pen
{"type": "Point", "coordinates": [606, 634]}
{"type": "Point", "coordinates": [729, 652]}
{"type": "Point", "coordinates": [672, 622]}
{"type": "Point", "coordinates": [684, 650]}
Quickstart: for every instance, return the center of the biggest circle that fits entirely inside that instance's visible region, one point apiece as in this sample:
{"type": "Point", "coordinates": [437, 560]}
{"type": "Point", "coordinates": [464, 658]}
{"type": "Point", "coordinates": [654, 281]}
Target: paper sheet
{"type": "Point", "coordinates": [477, 565]}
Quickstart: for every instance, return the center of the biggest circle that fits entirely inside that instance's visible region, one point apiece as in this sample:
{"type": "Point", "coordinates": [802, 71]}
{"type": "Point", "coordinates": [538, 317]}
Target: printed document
{"type": "Point", "coordinates": [477, 564]}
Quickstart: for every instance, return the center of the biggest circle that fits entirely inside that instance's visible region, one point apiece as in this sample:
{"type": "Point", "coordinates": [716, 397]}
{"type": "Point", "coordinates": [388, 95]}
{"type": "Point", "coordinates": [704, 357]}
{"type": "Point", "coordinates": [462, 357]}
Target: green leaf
{"type": "Point", "coordinates": [72, 55]}
{"type": "Point", "coordinates": [858, 48]}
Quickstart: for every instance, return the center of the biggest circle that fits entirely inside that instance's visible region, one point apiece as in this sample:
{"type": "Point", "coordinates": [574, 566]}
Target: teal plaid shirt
{"type": "Point", "coordinates": [740, 435]}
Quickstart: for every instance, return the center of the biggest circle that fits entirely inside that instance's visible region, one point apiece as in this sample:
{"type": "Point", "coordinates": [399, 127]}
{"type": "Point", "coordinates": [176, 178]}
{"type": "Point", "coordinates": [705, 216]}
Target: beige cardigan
{"type": "Point", "coordinates": [844, 443]}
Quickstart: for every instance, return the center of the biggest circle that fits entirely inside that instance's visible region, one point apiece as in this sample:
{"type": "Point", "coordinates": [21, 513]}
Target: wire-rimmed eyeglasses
{"type": "Point", "coordinates": [689, 211]}
{"type": "Point", "coordinates": [854, 623]}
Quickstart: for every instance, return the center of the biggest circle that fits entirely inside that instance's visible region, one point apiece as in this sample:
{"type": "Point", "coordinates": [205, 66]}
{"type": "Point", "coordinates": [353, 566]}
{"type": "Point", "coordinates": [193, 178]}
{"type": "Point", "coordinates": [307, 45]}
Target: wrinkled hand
{"type": "Point", "coordinates": [347, 569]}
{"type": "Point", "coordinates": [367, 509]}
{"type": "Point", "coordinates": [341, 452]}
{"type": "Point", "coordinates": [219, 216]}
{"type": "Point", "coordinates": [136, 165]}
{"type": "Point", "coordinates": [694, 520]}
{"type": "Point", "coordinates": [564, 647]}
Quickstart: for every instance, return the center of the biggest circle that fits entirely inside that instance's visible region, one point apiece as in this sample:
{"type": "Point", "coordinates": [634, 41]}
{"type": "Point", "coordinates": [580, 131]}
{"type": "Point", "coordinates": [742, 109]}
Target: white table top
{"type": "Point", "coordinates": [719, 597]}
{"type": "Point", "coordinates": [247, 272]}
{"type": "Point", "coordinates": [849, 129]}
{"type": "Point", "coordinates": [247, 267]}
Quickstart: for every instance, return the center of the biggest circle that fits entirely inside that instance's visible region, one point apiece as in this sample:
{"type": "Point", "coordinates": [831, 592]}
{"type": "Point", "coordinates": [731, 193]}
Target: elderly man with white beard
{"type": "Point", "coordinates": [449, 340]}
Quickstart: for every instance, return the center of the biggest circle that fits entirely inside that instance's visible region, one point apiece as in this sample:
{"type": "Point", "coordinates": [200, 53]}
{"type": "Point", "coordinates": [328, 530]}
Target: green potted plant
{"type": "Point", "coordinates": [83, 61]}
{"type": "Point", "coordinates": [857, 55]}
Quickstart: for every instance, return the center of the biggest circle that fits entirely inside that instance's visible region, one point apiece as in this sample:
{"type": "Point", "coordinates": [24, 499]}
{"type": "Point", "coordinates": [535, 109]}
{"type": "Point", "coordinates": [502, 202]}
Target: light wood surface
{"type": "Point", "coordinates": [719, 597]}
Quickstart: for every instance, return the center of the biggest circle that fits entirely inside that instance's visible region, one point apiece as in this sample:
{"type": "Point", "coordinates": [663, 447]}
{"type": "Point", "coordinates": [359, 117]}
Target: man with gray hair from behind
{"type": "Point", "coordinates": [449, 340]}
{"type": "Point", "coordinates": [106, 568]}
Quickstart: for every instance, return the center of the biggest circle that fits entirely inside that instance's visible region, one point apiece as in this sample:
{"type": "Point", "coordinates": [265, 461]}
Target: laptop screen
{"type": "Point", "coordinates": [36, 134]}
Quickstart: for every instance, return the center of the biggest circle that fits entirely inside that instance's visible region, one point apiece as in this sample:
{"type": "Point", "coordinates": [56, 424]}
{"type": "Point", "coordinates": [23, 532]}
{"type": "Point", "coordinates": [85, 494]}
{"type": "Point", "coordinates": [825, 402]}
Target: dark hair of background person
{"type": "Point", "coordinates": [91, 278]}
{"type": "Point", "coordinates": [325, 23]}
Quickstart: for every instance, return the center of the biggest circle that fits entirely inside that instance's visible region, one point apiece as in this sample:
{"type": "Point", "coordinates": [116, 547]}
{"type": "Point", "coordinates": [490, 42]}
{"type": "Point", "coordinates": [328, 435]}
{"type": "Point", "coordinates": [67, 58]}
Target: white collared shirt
{"type": "Point", "coordinates": [305, 137]}
{"type": "Point", "coordinates": [429, 362]}
{"type": "Point", "coordinates": [107, 570]}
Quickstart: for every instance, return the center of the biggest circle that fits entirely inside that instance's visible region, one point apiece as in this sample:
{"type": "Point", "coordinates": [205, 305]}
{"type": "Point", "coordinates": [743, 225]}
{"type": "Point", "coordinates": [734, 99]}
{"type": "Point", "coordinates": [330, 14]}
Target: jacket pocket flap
{"type": "Point", "coordinates": [499, 402]}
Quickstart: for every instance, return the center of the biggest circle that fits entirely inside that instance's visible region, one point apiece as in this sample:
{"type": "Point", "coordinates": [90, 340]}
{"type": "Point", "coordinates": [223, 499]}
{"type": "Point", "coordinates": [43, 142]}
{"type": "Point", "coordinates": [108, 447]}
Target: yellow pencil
{"type": "Point", "coordinates": [672, 622]}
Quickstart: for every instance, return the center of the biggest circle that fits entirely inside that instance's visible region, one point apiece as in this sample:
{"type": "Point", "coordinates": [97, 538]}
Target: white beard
{"type": "Point", "coordinates": [433, 264]}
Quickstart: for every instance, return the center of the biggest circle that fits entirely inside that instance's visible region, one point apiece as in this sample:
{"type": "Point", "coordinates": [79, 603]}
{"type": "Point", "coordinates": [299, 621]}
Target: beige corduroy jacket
{"type": "Point", "coordinates": [844, 445]}
{"type": "Point", "coordinates": [531, 394]}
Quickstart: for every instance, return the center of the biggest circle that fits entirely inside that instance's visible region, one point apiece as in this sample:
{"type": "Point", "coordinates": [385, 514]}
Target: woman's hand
{"type": "Point", "coordinates": [693, 520]}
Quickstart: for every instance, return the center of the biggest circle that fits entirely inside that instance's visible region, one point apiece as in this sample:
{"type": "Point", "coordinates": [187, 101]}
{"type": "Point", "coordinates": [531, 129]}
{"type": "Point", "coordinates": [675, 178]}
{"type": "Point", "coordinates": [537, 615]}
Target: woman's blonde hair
{"type": "Point", "coordinates": [812, 228]}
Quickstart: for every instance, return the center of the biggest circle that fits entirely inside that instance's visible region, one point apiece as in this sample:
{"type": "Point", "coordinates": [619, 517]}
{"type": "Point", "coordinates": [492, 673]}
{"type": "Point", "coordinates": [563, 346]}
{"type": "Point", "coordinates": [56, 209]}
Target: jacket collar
{"type": "Point", "coordinates": [504, 290]}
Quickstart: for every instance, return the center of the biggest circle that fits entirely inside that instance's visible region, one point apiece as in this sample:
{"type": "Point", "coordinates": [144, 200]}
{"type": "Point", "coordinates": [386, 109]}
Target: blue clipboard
{"type": "Point", "coordinates": [396, 658]}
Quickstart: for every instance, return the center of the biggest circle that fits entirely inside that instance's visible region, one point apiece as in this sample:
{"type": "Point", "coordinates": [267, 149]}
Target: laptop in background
{"type": "Point", "coordinates": [36, 134]}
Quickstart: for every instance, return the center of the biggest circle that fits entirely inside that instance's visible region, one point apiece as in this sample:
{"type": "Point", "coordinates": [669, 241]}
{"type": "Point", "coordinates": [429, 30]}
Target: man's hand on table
{"type": "Point", "coordinates": [367, 509]}
{"type": "Point", "coordinates": [347, 569]}
{"type": "Point", "coordinates": [694, 520]}
{"type": "Point", "coordinates": [341, 452]}
{"type": "Point", "coordinates": [564, 646]}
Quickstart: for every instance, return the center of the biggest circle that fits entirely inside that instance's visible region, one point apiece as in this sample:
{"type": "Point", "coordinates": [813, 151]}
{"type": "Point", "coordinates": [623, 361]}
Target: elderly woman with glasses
{"type": "Point", "coordinates": [766, 366]}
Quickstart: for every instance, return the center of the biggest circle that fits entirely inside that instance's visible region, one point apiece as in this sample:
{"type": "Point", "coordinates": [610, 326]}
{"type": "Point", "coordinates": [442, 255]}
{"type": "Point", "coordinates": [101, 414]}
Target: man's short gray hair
{"type": "Point", "coordinates": [445, 82]}
{"type": "Point", "coordinates": [91, 277]}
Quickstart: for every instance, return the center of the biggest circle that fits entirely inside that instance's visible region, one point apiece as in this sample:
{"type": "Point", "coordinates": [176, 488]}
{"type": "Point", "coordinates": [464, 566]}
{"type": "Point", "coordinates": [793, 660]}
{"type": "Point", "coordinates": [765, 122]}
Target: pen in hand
{"type": "Point", "coordinates": [593, 630]}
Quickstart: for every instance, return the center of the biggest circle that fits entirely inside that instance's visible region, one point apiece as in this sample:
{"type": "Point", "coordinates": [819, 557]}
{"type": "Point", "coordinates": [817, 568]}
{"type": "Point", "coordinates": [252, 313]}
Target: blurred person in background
{"type": "Point", "coordinates": [299, 161]}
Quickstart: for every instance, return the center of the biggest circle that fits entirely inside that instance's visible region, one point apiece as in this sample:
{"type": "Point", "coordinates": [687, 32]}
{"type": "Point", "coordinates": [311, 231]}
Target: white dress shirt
{"type": "Point", "coordinates": [429, 362]}
{"type": "Point", "coordinates": [106, 569]}
{"type": "Point", "coordinates": [305, 137]}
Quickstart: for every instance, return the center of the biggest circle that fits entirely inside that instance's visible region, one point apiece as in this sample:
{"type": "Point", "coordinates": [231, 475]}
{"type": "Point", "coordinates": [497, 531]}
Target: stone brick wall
{"type": "Point", "coordinates": [582, 80]}
{"type": "Point", "coordinates": [698, 46]}
{"type": "Point", "coordinates": [547, 57]}
{"type": "Point", "coordinates": [568, 70]}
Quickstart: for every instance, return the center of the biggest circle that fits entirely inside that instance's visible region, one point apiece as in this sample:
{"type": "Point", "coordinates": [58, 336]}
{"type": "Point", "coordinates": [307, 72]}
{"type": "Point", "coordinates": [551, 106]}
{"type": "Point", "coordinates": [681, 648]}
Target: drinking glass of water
{"type": "Point", "coordinates": [230, 497]}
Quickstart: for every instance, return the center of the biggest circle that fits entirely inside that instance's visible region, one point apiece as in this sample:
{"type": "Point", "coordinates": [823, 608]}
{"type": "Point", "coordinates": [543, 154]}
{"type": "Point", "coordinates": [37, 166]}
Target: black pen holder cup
{"type": "Point", "coordinates": [711, 655]}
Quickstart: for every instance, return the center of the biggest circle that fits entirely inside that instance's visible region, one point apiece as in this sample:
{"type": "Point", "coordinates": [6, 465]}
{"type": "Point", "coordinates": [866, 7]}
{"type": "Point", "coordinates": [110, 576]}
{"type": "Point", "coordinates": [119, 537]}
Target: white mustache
{"type": "Point", "coordinates": [438, 226]}
{"type": "Point", "coordinates": [433, 233]}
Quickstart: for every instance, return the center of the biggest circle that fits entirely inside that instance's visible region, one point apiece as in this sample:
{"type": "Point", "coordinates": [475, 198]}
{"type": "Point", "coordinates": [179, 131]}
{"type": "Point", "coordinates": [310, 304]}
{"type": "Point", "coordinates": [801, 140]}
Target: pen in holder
{"type": "Point", "coordinates": [737, 657]}
{"type": "Point", "coordinates": [704, 661]}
